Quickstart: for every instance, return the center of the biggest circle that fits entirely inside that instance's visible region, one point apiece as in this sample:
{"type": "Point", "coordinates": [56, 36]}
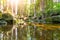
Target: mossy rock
{"type": "Point", "coordinates": [9, 20]}
{"type": "Point", "coordinates": [7, 16]}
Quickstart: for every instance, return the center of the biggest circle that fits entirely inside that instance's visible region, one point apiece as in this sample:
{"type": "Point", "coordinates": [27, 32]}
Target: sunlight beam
{"type": "Point", "coordinates": [14, 6]}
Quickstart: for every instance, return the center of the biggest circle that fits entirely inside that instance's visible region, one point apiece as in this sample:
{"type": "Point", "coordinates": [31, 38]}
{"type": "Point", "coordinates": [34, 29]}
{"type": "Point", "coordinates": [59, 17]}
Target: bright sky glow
{"type": "Point", "coordinates": [28, 2]}
{"type": "Point", "coordinates": [14, 2]}
{"type": "Point", "coordinates": [55, 0]}
{"type": "Point", "coordinates": [14, 5]}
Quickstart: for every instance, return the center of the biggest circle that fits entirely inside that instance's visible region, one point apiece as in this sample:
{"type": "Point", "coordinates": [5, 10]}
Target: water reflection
{"type": "Point", "coordinates": [31, 32]}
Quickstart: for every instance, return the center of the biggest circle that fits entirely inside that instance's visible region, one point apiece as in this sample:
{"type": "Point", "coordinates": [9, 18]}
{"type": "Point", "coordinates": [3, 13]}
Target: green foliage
{"type": "Point", "coordinates": [48, 20]}
{"type": "Point", "coordinates": [52, 10]}
{"type": "Point", "coordinates": [37, 4]}
{"type": "Point", "coordinates": [32, 10]}
{"type": "Point", "coordinates": [56, 19]}
{"type": "Point", "coordinates": [0, 14]}
{"type": "Point", "coordinates": [7, 16]}
{"type": "Point", "coordinates": [56, 5]}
